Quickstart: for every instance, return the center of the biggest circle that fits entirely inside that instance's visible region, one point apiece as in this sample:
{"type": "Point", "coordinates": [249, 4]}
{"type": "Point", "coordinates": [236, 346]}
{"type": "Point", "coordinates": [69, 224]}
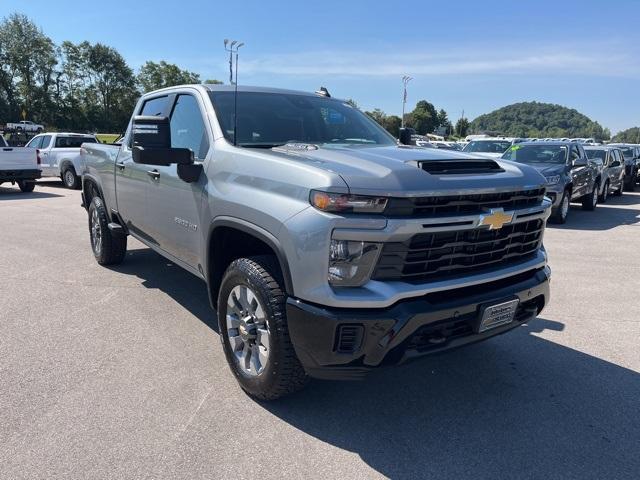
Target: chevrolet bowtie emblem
{"type": "Point", "coordinates": [496, 218]}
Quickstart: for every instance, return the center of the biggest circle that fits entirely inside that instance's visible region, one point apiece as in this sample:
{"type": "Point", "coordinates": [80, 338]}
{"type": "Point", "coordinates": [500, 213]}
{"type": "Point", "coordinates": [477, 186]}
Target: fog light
{"type": "Point", "coordinates": [351, 262]}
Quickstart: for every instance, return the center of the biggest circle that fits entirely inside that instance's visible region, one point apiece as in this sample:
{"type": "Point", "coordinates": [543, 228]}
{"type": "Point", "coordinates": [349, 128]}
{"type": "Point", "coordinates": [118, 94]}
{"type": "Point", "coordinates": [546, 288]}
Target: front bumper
{"type": "Point", "coordinates": [343, 343]}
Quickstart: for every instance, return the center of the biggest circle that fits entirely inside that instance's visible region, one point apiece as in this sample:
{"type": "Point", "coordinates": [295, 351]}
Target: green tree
{"type": "Point", "coordinates": [423, 118]}
{"type": "Point", "coordinates": [548, 120]}
{"type": "Point", "coordinates": [212, 82]}
{"type": "Point", "coordinates": [631, 135]}
{"type": "Point", "coordinates": [391, 123]}
{"type": "Point", "coordinates": [462, 127]}
{"type": "Point", "coordinates": [27, 62]}
{"type": "Point", "coordinates": [154, 75]}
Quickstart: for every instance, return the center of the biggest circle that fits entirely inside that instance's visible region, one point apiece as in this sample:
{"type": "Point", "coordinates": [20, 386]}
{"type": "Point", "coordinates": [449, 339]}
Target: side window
{"type": "Point", "coordinates": [155, 106]}
{"type": "Point", "coordinates": [46, 140]}
{"type": "Point", "coordinates": [187, 127]}
{"type": "Point", "coordinates": [35, 142]}
{"type": "Point", "coordinates": [618, 157]}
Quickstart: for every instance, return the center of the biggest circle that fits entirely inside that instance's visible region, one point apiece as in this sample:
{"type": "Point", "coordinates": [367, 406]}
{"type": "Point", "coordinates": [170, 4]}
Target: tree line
{"type": "Point", "coordinates": [72, 86]}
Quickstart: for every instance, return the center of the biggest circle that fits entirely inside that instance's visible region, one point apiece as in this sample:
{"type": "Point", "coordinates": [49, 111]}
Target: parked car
{"type": "Point", "coordinates": [570, 176]}
{"type": "Point", "coordinates": [631, 153]}
{"type": "Point", "coordinates": [60, 154]}
{"type": "Point", "coordinates": [19, 165]}
{"type": "Point", "coordinates": [489, 147]}
{"type": "Point", "coordinates": [24, 126]}
{"type": "Point", "coordinates": [610, 163]}
{"type": "Point", "coordinates": [327, 248]}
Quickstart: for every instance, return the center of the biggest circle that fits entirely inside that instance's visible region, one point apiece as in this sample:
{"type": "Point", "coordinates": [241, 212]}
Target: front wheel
{"type": "Point", "coordinates": [590, 201]}
{"type": "Point", "coordinates": [560, 215]}
{"type": "Point", "coordinates": [253, 325]}
{"type": "Point", "coordinates": [109, 249]}
{"type": "Point", "coordinates": [26, 186]}
{"type": "Point", "coordinates": [605, 193]}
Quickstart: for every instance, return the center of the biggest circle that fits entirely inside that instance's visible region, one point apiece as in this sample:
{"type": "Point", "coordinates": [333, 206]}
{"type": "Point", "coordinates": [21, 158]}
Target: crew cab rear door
{"type": "Point", "coordinates": [174, 205]}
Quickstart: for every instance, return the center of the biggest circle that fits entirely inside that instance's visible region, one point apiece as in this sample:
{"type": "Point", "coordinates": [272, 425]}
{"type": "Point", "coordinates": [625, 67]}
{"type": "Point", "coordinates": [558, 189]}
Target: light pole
{"type": "Point", "coordinates": [406, 79]}
{"type": "Point", "coordinates": [232, 47]}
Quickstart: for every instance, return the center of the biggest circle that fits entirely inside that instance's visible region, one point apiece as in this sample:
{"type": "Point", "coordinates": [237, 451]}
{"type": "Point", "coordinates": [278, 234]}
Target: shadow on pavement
{"type": "Point", "coordinates": [605, 216]}
{"type": "Point", "coordinates": [157, 272]}
{"type": "Point", "coordinates": [14, 193]}
{"type": "Point", "coordinates": [516, 406]}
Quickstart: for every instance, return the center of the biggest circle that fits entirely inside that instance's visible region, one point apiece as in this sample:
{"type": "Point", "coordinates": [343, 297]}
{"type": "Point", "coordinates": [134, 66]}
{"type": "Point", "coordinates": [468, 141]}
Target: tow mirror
{"type": "Point", "coordinates": [152, 143]}
{"type": "Point", "coordinates": [405, 136]}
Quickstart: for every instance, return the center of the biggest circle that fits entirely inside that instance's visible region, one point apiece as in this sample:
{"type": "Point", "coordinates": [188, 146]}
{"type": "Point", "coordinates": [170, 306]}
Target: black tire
{"type": "Point", "coordinates": [70, 179]}
{"type": "Point", "coordinates": [602, 198]}
{"type": "Point", "coordinates": [26, 185]}
{"type": "Point", "coordinates": [630, 184]}
{"type": "Point", "coordinates": [282, 373]}
{"type": "Point", "coordinates": [112, 248]}
{"type": "Point", "coordinates": [559, 215]}
{"type": "Point", "coordinates": [589, 202]}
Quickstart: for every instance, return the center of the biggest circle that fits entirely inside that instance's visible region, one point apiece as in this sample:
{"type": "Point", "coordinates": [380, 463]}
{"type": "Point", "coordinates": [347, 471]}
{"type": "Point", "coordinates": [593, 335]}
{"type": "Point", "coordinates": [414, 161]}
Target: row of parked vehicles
{"type": "Point", "coordinates": [45, 155]}
{"type": "Point", "coordinates": [575, 170]}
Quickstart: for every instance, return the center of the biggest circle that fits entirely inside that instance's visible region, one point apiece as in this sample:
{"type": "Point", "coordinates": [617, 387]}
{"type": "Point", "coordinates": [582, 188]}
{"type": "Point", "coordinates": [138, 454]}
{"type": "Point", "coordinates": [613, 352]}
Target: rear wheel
{"type": "Point", "coordinates": [590, 201]}
{"type": "Point", "coordinates": [26, 185]}
{"type": "Point", "coordinates": [254, 332]}
{"type": "Point", "coordinates": [108, 248]}
{"type": "Point", "coordinates": [70, 179]}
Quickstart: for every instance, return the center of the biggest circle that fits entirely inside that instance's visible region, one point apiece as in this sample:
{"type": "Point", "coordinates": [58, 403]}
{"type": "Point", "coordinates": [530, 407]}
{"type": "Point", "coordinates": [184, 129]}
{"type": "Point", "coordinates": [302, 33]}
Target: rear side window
{"type": "Point", "coordinates": [187, 127]}
{"type": "Point", "coordinates": [73, 142]}
{"type": "Point", "coordinates": [155, 107]}
{"type": "Point", "coordinates": [574, 153]}
{"type": "Point", "coordinates": [46, 141]}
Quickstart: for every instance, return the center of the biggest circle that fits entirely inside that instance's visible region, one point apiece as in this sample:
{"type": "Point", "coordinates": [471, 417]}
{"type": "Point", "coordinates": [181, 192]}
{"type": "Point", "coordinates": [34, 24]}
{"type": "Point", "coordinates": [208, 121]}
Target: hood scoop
{"type": "Point", "coordinates": [460, 167]}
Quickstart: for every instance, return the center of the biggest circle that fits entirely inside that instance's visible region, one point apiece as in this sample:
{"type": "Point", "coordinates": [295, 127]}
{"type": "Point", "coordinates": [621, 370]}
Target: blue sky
{"type": "Point", "coordinates": [467, 55]}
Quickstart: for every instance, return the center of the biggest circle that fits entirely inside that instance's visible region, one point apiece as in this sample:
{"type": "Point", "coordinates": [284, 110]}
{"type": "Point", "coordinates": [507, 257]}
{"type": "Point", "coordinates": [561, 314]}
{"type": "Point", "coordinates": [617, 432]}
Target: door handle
{"type": "Point", "coordinates": [155, 174]}
{"type": "Point", "coordinates": [120, 165]}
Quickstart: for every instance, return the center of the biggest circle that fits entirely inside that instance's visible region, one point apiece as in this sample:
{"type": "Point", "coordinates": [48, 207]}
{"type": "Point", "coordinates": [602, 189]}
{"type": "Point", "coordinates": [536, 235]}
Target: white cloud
{"type": "Point", "coordinates": [353, 63]}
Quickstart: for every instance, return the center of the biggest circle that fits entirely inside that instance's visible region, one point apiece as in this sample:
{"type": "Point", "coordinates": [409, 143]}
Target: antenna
{"type": "Point", "coordinates": [233, 48]}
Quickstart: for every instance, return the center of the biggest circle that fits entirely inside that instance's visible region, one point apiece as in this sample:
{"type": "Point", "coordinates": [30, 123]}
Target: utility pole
{"type": "Point", "coordinates": [406, 79]}
{"type": "Point", "coordinates": [232, 47]}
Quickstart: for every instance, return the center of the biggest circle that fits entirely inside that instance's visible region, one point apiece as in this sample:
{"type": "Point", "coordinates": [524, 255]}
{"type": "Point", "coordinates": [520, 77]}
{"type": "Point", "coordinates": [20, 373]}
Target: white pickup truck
{"type": "Point", "coordinates": [19, 165]}
{"type": "Point", "coordinates": [24, 126]}
{"type": "Point", "coordinates": [60, 155]}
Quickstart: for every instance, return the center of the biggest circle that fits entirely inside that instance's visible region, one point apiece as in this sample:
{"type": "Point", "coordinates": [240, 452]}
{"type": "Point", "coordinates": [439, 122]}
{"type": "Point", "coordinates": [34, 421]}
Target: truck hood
{"type": "Point", "coordinates": [547, 170]}
{"type": "Point", "coordinates": [396, 170]}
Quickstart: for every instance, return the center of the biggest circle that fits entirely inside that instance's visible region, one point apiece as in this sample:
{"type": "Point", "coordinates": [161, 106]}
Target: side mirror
{"type": "Point", "coordinates": [152, 143]}
{"type": "Point", "coordinates": [580, 162]}
{"type": "Point", "coordinates": [405, 136]}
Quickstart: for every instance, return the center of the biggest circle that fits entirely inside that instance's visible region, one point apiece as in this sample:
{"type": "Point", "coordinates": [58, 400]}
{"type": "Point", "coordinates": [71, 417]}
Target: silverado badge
{"type": "Point", "coordinates": [495, 218]}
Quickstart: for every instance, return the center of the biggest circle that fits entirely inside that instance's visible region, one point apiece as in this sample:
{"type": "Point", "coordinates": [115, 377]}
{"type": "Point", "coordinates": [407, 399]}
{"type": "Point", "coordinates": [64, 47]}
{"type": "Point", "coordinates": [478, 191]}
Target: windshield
{"type": "Point", "coordinates": [487, 146]}
{"type": "Point", "coordinates": [269, 119]}
{"type": "Point", "coordinates": [593, 154]}
{"type": "Point", "coordinates": [73, 142]}
{"type": "Point", "coordinates": [555, 154]}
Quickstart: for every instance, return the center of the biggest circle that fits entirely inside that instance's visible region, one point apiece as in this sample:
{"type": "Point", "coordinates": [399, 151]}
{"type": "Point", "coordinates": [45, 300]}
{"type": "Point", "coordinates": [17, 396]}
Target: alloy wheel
{"type": "Point", "coordinates": [96, 233]}
{"type": "Point", "coordinates": [247, 330]}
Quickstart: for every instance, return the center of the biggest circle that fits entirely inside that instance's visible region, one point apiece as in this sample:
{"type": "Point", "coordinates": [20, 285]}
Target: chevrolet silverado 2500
{"type": "Point", "coordinates": [327, 248]}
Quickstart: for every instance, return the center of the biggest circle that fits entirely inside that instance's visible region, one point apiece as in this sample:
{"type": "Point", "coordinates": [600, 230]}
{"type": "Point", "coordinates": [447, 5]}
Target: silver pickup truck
{"type": "Point", "coordinates": [327, 247]}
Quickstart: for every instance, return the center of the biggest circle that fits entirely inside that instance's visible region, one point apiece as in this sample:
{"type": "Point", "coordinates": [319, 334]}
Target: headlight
{"type": "Point", "coordinates": [344, 203]}
{"type": "Point", "coordinates": [351, 263]}
{"type": "Point", "coordinates": [553, 179]}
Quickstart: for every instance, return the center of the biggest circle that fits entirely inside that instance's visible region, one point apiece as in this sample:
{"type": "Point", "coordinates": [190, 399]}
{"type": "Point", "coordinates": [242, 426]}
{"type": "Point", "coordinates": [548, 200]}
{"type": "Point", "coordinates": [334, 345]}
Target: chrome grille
{"type": "Point", "coordinates": [441, 255]}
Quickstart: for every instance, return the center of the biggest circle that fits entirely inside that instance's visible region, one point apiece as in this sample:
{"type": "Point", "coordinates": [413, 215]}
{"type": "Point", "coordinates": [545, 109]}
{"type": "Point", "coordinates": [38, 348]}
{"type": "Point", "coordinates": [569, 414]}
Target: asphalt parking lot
{"type": "Point", "coordinates": [119, 373]}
